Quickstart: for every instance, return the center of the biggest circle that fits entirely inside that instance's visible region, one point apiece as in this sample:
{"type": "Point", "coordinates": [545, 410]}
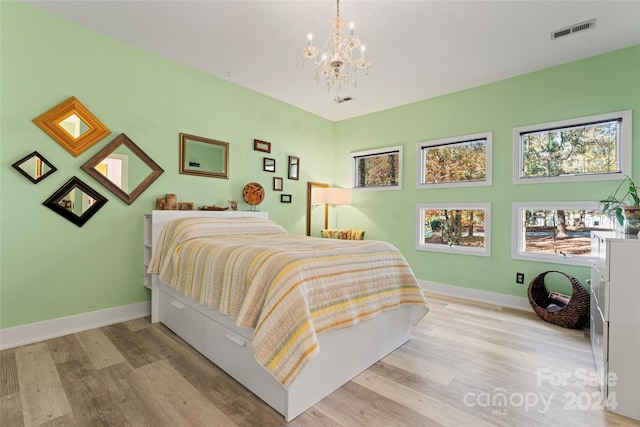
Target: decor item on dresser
{"type": "Point", "coordinates": [213, 208]}
{"type": "Point", "coordinates": [337, 67]}
{"type": "Point", "coordinates": [123, 168]}
{"type": "Point", "coordinates": [253, 194]}
{"type": "Point", "coordinates": [573, 313]}
{"type": "Point", "coordinates": [167, 203]}
{"type": "Point", "coordinates": [72, 126]}
{"type": "Point", "coordinates": [75, 201]}
{"type": "Point", "coordinates": [294, 167]}
{"type": "Point", "coordinates": [277, 183]}
{"type": "Point", "coordinates": [615, 319]}
{"type": "Point", "coordinates": [203, 156]}
{"type": "Point", "coordinates": [264, 314]}
{"type": "Point", "coordinates": [624, 204]}
{"type": "Point", "coordinates": [263, 146]}
{"type": "Point", "coordinates": [268, 165]}
{"type": "Point", "coordinates": [185, 206]}
{"type": "Point", "coordinates": [35, 167]}
{"type": "Point", "coordinates": [233, 205]}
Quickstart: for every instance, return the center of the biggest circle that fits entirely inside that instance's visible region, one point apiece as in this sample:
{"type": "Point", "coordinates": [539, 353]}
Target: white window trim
{"type": "Point", "coordinates": [419, 229]}
{"type": "Point", "coordinates": [420, 164]}
{"type": "Point", "coordinates": [355, 154]}
{"type": "Point", "coordinates": [517, 234]}
{"type": "Point", "coordinates": [624, 148]}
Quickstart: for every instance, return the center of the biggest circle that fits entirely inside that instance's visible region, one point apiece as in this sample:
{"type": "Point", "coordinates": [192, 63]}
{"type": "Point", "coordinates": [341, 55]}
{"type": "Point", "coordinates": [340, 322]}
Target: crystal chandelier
{"type": "Point", "coordinates": [337, 67]}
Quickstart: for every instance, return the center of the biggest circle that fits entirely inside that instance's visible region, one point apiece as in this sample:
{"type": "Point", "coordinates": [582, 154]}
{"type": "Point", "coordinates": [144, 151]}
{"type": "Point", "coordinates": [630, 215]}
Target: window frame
{"type": "Point", "coordinates": [420, 163]}
{"type": "Point", "coordinates": [371, 153]}
{"type": "Point", "coordinates": [624, 147]}
{"type": "Point", "coordinates": [517, 235]}
{"type": "Point", "coordinates": [463, 250]}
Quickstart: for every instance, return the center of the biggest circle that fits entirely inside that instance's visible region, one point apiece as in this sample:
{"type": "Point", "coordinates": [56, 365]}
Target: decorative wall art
{"type": "Point", "coordinates": [263, 146]}
{"type": "Point", "coordinates": [34, 167]}
{"type": "Point", "coordinates": [294, 167]}
{"type": "Point", "coordinates": [75, 201]}
{"type": "Point", "coordinates": [72, 126]}
{"type": "Point", "coordinates": [285, 198]}
{"type": "Point", "coordinates": [123, 168]}
{"type": "Point", "coordinates": [277, 183]}
{"type": "Point", "coordinates": [268, 165]}
{"type": "Point", "coordinates": [203, 156]}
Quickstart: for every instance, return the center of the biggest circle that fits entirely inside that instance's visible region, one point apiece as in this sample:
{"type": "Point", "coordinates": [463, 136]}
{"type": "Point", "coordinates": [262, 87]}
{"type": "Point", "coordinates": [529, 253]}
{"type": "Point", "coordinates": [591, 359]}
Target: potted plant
{"type": "Point", "coordinates": [624, 203]}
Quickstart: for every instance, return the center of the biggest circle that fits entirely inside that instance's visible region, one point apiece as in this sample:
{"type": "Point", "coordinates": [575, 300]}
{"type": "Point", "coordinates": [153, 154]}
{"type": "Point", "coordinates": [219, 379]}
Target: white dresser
{"type": "Point", "coordinates": [615, 319]}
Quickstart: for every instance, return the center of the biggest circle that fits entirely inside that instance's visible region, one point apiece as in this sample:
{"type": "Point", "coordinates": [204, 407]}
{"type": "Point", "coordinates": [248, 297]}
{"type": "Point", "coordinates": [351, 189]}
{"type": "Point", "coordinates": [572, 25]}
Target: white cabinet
{"type": "Point", "coordinates": [615, 319]}
{"type": "Point", "coordinates": [146, 239]}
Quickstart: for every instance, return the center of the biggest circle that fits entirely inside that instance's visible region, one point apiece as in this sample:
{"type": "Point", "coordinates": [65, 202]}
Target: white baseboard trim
{"type": "Point", "coordinates": [40, 331]}
{"type": "Point", "coordinates": [478, 295]}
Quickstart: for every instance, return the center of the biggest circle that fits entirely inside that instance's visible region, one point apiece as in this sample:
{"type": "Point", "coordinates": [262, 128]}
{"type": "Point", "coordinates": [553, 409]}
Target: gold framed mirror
{"type": "Point", "coordinates": [72, 126]}
{"type": "Point", "coordinates": [34, 167]}
{"type": "Point", "coordinates": [75, 201]}
{"type": "Point", "coordinates": [203, 156]}
{"type": "Point", "coordinates": [315, 214]}
{"type": "Point", "coordinates": [123, 168]}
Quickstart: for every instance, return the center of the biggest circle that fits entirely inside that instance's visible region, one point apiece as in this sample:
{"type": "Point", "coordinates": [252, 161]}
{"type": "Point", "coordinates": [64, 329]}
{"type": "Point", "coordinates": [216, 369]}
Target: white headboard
{"type": "Point", "coordinates": [160, 218]}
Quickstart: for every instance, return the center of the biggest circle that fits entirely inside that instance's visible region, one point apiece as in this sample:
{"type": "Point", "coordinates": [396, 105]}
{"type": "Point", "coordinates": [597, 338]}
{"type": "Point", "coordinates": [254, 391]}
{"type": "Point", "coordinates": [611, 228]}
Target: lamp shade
{"type": "Point", "coordinates": [318, 196]}
{"type": "Point", "coordinates": [337, 196]}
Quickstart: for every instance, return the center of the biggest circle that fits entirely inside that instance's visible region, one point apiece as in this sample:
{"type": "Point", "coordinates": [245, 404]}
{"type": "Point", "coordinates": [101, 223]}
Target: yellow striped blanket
{"type": "Point", "coordinates": [288, 288]}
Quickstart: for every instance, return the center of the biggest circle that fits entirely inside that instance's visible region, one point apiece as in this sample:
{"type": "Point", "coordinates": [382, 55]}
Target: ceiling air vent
{"type": "Point", "coordinates": [339, 100]}
{"type": "Point", "coordinates": [586, 25]}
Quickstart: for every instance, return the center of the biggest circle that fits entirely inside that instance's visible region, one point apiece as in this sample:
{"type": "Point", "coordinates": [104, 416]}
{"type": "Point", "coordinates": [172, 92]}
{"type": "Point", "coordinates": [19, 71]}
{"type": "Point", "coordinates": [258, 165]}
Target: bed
{"type": "Point", "coordinates": [292, 318]}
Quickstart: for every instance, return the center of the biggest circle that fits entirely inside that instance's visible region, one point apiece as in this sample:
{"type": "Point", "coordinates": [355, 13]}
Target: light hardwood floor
{"type": "Point", "coordinates": [463, 358]}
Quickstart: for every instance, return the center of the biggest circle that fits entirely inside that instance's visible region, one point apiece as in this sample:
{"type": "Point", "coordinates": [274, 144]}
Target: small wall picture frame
{"type": "Point", "coordinates": [263, 146]}
{"type": "Point", "coordinates": [278, 183]}
{"type": "Point", "coordinates": [294, 167]}
{"type": "Point", "coordinates": [268, 165]}
{"type": "Point", "coordinates": [185, 206]}
{"type": "Point", "coordinates": [285, 198]}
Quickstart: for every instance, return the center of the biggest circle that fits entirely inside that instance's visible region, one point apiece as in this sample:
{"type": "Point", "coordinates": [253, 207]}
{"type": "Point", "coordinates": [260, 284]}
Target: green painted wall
{"type": "Point", "coordinates": [153, 99]}
{"type": "Point", "coordinates": [51, 268]}
{"type": "Point", "coordinates": [601, 84]}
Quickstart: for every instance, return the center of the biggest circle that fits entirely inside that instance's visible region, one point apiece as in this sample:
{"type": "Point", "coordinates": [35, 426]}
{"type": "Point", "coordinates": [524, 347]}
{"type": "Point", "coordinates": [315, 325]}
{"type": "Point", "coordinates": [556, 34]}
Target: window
{"type": "Point", "coordinates": [454, 227]}
{"type": "Point", "coordinates": [557, 232]}
{"type": "Point", "coordinates": [379, 169]}
{"type": "Point", "coordinates": [586, 148]}
{"type": "Point", "coordinates": [455, 162]}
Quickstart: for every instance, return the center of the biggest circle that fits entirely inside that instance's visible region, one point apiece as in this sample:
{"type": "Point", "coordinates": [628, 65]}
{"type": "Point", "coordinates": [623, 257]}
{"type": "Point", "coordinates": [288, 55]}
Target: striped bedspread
{"type": "Point", "coordinates": [288, 288]}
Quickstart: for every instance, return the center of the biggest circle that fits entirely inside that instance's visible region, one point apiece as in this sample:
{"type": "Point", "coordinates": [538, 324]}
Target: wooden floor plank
{"type": "Point", "coordinates": [8, 373]}
{"type": "Point", "coordinates": [41, 392]}
{"type": "Point", "coordinates": [100, 350]}
{"type": "Point", "coordinates": [181, 403]}
{"type": "Point", "coordinates": [11, 410]}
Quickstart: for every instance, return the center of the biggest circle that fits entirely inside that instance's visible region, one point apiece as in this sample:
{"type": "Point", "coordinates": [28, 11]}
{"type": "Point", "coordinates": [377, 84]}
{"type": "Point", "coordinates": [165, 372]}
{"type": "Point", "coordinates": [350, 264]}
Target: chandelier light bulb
{"type": "Point", "coordinates": [338, 66]}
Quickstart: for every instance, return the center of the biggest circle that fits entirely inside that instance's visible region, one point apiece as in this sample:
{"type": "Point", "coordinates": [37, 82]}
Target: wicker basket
{"type": "Point", "coordinates": [573, 315]}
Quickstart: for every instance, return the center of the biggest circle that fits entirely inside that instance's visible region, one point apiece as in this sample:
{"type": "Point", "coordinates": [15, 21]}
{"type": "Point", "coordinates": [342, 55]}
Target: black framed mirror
{"type": "Point", "coordinates": [75, 201]}
{"type": "Point", "coordinates": [277, 183]}
{"type": "Point", "coordinates": [204, 156]}
{"type": "Point", "coordinates": [34, 167]}
{"type": "Point", "coordinates": [123, 168]}
{"type": "Point", "coordinates": [294, 167]}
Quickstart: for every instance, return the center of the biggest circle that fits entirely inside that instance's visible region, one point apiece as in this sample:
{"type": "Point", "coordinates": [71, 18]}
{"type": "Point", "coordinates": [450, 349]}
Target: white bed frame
{"type": "Point", "coordinates": [344, 353]}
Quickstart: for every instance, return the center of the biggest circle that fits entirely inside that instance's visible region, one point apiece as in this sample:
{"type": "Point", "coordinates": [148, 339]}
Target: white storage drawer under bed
{"type": "Point", "coordinates": [182, 319]}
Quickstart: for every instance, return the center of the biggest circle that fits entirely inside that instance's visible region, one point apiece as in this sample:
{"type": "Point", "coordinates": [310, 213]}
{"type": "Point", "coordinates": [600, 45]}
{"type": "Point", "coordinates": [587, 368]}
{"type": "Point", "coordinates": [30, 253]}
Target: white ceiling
{"type": "Point", "coordinates": [419, 49]}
